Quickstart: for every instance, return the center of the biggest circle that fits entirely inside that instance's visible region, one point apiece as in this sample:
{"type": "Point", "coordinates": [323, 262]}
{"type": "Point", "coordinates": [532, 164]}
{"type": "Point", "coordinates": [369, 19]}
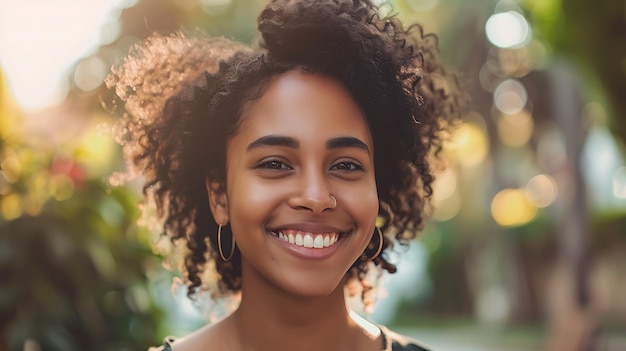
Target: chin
{"type": "Point", "coordinates": [309, 287]}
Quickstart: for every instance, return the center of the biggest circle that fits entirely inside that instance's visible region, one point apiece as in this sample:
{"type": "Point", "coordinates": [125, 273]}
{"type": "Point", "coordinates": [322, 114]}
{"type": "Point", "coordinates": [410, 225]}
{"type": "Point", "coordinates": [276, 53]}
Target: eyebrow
{"type": "Point", "coordinates": [279, 140]}
{"type": "Point", "coordinates": [273, 140]}
{"type": "Point", "coordinates": [342, 142]}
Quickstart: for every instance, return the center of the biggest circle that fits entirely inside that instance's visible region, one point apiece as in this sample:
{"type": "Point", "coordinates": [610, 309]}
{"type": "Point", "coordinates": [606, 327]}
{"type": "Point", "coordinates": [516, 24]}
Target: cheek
{"type": "Point", "coordinates": [250, 194]}
{"type": "Point", "coordinates": [363, 203]}
{"type": "Point", "coordinates": [250, 201]}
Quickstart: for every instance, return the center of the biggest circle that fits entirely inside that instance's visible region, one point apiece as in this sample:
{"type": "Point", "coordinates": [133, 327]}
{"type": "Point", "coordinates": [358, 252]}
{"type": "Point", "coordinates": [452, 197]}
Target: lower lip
{"type": "Point", "coordinates": [310, 253]}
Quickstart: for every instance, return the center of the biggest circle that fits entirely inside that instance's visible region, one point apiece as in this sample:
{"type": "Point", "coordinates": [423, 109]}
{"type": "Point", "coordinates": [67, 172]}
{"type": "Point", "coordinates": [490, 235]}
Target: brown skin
{"type": "Point", "coordinates": [293, 298]}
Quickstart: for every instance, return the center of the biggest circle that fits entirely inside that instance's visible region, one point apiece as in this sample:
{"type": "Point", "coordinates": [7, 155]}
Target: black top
{"type": "Point", "coordinates": [391, 342]}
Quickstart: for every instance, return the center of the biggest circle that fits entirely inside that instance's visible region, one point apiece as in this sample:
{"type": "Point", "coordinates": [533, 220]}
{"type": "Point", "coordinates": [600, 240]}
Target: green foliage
{"type": "Point", "coordinates": [73, 277]}
{"type": "Point", "coordinates": [73, 264]}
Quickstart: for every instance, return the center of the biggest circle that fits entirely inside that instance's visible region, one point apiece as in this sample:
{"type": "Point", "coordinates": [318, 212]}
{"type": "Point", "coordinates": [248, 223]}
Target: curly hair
{"type": "Point", "coordinates": [182, 108]}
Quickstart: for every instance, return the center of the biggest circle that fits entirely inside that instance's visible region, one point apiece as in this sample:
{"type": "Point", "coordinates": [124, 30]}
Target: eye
{"type": "Point", "coordinates": [272, 164]}
{"type": "Point", "coordinates": [347, 166]}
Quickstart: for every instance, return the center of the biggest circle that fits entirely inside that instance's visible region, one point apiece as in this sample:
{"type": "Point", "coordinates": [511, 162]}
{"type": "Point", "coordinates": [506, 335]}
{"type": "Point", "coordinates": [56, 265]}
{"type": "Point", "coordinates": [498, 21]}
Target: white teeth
{"type": "Point", "coordinates": [318, 243]}
{"type": "Point", "coordinates": [310, 240]}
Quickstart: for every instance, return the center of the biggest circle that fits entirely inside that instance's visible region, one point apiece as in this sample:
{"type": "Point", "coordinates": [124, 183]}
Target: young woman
{"type": "Point", "coordinates": [290, 168]}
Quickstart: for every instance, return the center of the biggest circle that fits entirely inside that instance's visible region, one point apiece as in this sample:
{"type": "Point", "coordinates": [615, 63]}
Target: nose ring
{"type": "Point", "coordinates": [334, 201]}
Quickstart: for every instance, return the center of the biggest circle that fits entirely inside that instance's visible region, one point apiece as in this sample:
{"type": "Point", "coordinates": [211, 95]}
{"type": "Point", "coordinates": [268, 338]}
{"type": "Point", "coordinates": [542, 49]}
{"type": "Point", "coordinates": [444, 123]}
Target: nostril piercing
{"type": "Point", "coordinates": [334, 201]}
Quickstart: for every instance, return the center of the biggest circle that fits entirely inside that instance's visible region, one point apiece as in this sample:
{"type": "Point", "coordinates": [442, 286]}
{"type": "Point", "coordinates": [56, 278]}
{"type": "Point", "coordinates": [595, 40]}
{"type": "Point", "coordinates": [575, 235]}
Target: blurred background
{"type": "Point", "coordinates": [527, 248]}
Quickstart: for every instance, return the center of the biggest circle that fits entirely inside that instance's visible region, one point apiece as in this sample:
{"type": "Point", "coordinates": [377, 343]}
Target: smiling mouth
{"type": "Point", "coordinates": [307, 239]}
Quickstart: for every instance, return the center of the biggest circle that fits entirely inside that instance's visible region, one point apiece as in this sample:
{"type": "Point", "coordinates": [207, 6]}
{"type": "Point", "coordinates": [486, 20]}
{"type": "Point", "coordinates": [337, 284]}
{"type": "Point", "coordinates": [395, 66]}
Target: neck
{"type": "Point", "coordinates": [277, 320]}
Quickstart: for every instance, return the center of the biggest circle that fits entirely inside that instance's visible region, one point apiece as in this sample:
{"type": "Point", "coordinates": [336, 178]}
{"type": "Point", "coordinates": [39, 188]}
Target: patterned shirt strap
{"type": "Point", "coordinates": [167, 345]}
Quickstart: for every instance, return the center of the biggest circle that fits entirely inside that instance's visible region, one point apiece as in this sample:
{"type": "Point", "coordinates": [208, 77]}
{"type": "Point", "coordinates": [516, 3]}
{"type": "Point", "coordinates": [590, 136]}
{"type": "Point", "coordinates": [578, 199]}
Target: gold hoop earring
{"type": "Point", "coordinates": [378, 251]}
{"type": "Point", "coordinates": [219, 245]}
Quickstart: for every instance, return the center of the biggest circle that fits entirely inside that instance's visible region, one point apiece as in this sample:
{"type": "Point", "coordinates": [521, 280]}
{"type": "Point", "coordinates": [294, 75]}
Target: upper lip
{"type": "Point", "coordinates": [315, 228]}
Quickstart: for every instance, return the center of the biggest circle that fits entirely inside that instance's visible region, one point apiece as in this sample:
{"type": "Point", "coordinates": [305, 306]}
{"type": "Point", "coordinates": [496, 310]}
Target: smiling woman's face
{"type": "Point", "coordinates": [304, 140]}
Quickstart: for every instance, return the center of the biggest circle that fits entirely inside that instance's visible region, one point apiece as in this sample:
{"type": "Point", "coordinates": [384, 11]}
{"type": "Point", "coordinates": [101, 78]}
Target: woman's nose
{"type": "Point", "coordinates": [313, 195]}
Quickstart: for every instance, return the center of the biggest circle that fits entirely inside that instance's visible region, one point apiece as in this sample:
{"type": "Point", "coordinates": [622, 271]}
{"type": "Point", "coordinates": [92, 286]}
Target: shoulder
{"type": "Point", "coordinates": [214, 336]}
{"type": "Point", "coordinates": [398, 342]}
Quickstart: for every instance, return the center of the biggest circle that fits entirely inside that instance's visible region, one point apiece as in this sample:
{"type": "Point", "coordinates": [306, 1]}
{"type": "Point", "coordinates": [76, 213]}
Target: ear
{"type": "Point", "coordinates": [217, 200]}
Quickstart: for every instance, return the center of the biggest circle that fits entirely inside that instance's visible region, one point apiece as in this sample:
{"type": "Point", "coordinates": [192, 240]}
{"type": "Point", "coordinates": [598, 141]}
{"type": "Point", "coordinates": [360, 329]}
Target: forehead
{"type": "Point", "coordinates": [304, 105]}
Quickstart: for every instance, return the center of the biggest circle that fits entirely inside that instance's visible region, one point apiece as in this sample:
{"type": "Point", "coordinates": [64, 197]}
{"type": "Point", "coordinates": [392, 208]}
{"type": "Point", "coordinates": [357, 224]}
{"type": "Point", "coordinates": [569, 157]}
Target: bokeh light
{"type": "Point", "coordinates": [448, 208]}
{"type": "Point", "coordinates": [445, 184]}
{"type": "Point", "coordinates": [96, 148]}
{"type": "Point", "coordinates": [11, 206]}
{"type": "Point", "coordinates": [510, 96]}
{"type": "Point", "coordinates": [507, 29]}
{"type": "Point", "coordinates": [446, 198]}
{"type": "Point", "coordinates": [511, 208]}
{"type": "Point", "coordinates": [541, 190]}
{"type": "Point", "coordinates": [468, 144]}
{"type": "Point", "coordinates": [515, 130]}
{"type": "Point", "coordinates": [89, 74]}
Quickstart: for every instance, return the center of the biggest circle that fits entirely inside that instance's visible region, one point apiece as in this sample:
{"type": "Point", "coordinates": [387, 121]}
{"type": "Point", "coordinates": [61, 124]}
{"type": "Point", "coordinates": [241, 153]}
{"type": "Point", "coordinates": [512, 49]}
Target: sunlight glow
{"type": "Point", "coordinates": [507, 29]}
{"type": "Point", "coordinates": [41, 39]}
